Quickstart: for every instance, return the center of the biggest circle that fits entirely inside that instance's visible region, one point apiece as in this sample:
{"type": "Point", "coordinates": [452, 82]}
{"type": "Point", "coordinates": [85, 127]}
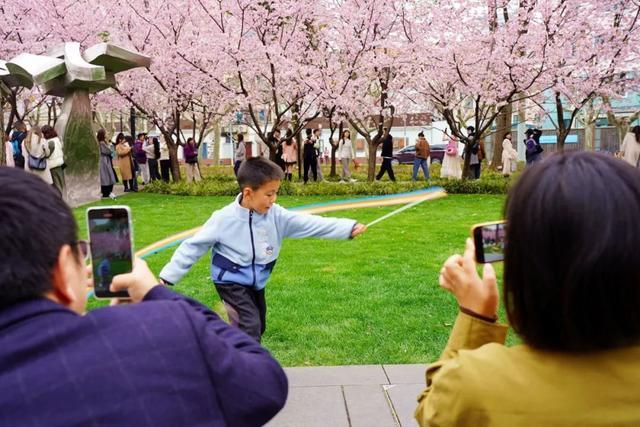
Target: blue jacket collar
{"type": "Point", "coordinates": [242, 212]}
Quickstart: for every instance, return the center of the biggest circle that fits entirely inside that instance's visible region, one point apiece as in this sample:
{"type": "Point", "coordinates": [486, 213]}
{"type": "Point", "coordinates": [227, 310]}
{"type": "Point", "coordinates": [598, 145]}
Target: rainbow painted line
{"type": "Point", "coordinates": [338, 205]}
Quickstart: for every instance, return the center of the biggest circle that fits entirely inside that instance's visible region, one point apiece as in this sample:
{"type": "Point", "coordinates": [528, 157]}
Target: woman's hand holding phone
{"type": "Point", "coordinates": [137, 283]}
{"type": "Point", "coordinates": [460, 277]}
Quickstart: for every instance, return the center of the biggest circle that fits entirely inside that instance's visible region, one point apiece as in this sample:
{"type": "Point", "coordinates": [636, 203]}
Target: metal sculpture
{"type": "Point", "coordinates": [65, 72]}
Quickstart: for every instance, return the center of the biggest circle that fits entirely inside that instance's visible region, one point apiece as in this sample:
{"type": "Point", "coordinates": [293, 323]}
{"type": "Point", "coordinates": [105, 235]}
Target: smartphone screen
{"type": "Point", "coordinates": [111, 248]}
{"type": "Point", "coordinates": [490, 240]}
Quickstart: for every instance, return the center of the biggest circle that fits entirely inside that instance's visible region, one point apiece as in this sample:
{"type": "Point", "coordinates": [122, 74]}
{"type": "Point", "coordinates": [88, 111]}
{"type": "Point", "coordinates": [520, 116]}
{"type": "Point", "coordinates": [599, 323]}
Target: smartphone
{"type": "Point", "coordinates": [490, 240]}
{"type": "Point", "coordinates": [111, 245]}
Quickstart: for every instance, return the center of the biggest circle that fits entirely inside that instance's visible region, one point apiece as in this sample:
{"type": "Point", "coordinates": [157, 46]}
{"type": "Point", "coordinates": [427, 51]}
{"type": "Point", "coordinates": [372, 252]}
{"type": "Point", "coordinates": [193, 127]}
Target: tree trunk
{"type": "Point", "coordinates": [503, 126]}
{"type": "Point", "coordinates": [589, 135]}
{"type": "Point", "coordinates": [372, 145]}
{"type": "Point", "coordinates": [173, 153]}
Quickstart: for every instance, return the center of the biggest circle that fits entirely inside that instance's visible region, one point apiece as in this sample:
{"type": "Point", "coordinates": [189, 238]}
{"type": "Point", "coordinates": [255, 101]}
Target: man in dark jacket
{"type": "Point", "coordinates": [164, 360]}
{"type": "Point", "coordinates": [387, 156]}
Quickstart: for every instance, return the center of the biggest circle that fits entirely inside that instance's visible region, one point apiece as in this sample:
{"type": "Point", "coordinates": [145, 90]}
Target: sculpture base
{"type": "Point", "coordinates": [81, 150]}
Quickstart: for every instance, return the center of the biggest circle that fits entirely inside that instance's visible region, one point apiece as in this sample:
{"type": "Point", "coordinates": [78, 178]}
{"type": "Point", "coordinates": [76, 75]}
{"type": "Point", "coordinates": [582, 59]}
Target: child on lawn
{"type": "Point", "coordinates": [245, 237]}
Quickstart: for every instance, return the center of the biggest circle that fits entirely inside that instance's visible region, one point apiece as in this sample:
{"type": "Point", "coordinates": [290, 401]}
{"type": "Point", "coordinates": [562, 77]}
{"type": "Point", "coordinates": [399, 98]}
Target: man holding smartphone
{"type": "Point", "coordinates": [163, 360]}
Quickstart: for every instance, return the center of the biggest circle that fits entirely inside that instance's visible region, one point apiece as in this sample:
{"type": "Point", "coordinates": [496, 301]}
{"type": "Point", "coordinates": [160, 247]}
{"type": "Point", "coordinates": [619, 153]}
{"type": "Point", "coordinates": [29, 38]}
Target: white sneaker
{"type": "Point", "coordinates": [113, 196]}
{"type": "Point", "coordinates": [353, 180]}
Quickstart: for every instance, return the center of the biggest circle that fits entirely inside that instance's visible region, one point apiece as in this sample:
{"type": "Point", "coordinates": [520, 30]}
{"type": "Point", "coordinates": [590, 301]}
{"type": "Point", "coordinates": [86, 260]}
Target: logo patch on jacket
{"type": "Point", "coordinates": [269, 250]}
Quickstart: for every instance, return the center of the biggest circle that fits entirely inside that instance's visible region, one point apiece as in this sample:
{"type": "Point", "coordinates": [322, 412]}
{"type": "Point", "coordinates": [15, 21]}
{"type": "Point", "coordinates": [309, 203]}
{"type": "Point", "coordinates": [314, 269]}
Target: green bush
{"type": "Point", "coordinates": [222, 186]}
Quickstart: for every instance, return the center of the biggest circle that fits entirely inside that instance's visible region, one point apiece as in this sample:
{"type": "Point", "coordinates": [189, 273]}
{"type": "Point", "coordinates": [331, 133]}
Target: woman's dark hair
{"type": "Point", "coordinates": [119, 138]}
{"type": "Point", "coordinates": [572, 265]}
{"type": "Point", "coordinates": [35, 224]}
{"type": "Point", "coordinates": [102, 135]}
{"type": "Point", "coordinates": [240, 137]}
{"type": "Point", "coordinates": [343, 132]}
{"type": "Point", "coordinates": [191, 141]}
{"type": "Point", "coordinates": [129, 139]}
{"type": "Point", "coordinates": [308, 132]}
{"type": "Point", "coordinates": [636, 131]}
{"type": "Point", "coordinates": [48, 132]}
{"type": "Point", "coordinates": [156, 147]}
{"type": "Point", "coordinates": [421, 134]}
{"type": "Point", "coordinates": [506, 135]}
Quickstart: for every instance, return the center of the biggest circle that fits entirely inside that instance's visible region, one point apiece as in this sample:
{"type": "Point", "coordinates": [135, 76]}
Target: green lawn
{"type": "Point", "coordinates": [371, 300]}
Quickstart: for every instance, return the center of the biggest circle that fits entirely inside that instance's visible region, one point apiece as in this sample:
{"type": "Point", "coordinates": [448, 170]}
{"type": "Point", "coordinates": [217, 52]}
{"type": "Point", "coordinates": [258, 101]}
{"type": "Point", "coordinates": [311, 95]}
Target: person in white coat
{"type": "Point", "coordinates": [630, 148]}
{"type": "Point", "coordinates": [37, 149]}
{"type": "Point", "coordinates": [55, 162]}
{"type": "Point", "coordinates": [509, 156]}
{"type": "Point", "coordinates": [345, 153]}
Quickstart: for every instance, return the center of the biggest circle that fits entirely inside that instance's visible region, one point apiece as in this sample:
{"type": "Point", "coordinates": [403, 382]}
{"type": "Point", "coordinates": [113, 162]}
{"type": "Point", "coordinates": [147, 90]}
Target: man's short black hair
{"type": "Point", "coordinates": [572, 264]}
{"type": "Point", "coordinates": [308, 131]}
{"type": "Point", "coordinates": [257, 171]}
{"type": "Point", "coordinates": [34, 224]}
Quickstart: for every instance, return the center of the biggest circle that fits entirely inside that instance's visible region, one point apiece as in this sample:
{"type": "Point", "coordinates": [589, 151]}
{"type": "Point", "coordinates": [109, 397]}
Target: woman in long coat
{"type": "Point", "coordinates": [509, 156]}
{"type": "Point", "coordinates": [123, 150]}
{"type": "Point", "coordinates": [107, 177]}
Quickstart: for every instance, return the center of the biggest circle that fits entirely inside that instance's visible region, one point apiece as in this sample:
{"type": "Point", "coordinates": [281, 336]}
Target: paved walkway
{"type": "Point", "coordinates": [352, 396]}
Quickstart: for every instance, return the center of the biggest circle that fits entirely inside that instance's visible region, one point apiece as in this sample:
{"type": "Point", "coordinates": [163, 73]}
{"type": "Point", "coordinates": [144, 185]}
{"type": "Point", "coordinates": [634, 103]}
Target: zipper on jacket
{"type": "Point", "coordinates": [253, 248]}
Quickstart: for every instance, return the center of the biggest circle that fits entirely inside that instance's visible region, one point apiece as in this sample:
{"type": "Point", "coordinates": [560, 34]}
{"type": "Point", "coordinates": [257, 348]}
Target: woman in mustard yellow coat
{"type": "Point", "coordinates": [571, 293]}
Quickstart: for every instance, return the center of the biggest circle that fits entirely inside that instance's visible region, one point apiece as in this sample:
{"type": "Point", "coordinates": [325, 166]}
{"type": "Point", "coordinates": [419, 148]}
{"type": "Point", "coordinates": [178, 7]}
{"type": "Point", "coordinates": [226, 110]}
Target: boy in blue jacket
{"type": "Point", "coordinates": [245, 237]}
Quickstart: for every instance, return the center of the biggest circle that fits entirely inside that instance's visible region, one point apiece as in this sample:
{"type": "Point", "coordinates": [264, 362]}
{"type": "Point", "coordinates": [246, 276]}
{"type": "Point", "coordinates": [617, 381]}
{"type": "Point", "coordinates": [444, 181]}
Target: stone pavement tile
{"type": "Point", "coordinates": [336, 375]}
{"type": "Point", "coordinates": [405, 374]}
{"type": "Point", "coordinates": [368, 406]}
{"type": "Point", "coordinates": [404, 400]}
{"type": "Point", "coordinates": [313, 407]}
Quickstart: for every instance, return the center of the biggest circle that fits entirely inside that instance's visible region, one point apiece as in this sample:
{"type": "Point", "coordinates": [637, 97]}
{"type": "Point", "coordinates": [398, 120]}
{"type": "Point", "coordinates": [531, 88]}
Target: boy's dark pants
{"type": "Point", "coordinates": [246, 307]}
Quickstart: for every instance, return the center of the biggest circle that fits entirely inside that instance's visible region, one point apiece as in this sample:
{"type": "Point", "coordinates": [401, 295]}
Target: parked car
{"type": "Point", "coordinates": [407, 154]}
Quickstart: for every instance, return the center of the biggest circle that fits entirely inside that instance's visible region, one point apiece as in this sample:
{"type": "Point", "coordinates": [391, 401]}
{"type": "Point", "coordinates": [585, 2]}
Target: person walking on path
{"type": "Point", "coordinates": [310, 159]}
{"type": "Point", "coordinates": [191, 161]}
{"type": "Point", "coordinates": [345, 153]}
{"type": "Point", "coordinates": [240, 155]}
{"type": "Point", "coordinates": [630, 148]}
{"type": "Point", "coordinates": [452, 162]}
{"type": "Point", "coordinates": [509, 156]}
{"type": "Point", "coordinates": [387, 156]}
{"type": "Point", "coordinates": [125, 164]}
{"type": "Point", "coordinates": [423, 151]}
{"type": "Point", "coordinates": [55, 162]}
{"type": "Point", "coordinates": [289, 155]}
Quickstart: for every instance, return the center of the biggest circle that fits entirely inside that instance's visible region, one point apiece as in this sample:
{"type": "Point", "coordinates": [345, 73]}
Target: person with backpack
{"type": "Point", "coordinates": [534, 149]}
{"type": "Point", "coordinates": [38, 152]}
{"type": "Point", "coordinates": [476, 153]}
{"type": "Point", "coordinates": [191, 161]}
{"type": "Point", "coordinates": [452, 162]}
{"type": "Point", "coordinates": [56, 158]}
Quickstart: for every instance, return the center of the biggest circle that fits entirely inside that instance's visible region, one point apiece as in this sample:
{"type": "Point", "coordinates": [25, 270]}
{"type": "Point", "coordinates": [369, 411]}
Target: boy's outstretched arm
{"type": "Point", "coordinates": [296, 225]}
{"type": "Point", "coordinates": [189, 252]}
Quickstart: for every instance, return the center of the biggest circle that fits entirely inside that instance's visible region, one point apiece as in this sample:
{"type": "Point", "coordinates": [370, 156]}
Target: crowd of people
{"type": "Point", "coordinates": [39, 150]}
{"type": "Point", "coordinates": [165, 359]}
